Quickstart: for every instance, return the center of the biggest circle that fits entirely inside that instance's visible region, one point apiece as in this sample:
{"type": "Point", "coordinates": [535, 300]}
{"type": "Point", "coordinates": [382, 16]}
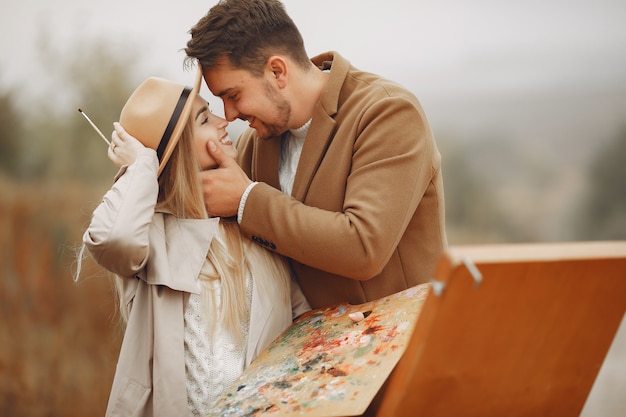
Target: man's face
{"type": "Point", "coordinates": [255, 99]}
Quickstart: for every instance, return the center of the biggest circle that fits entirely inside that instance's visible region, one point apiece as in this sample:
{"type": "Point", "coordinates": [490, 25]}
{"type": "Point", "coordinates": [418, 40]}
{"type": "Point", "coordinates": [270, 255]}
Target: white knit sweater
{"type": "Point", "coordinates": [212, 364]}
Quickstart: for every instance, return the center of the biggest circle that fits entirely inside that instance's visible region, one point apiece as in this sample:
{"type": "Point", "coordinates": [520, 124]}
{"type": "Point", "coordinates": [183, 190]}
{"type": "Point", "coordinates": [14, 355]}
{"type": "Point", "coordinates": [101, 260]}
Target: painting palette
{"type": "Point", "coordinates": [325, 364]}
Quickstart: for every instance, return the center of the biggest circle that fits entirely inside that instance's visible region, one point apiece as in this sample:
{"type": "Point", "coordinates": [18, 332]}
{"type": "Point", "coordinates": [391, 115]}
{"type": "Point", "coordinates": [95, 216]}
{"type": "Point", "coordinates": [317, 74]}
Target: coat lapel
{"type": "Point", "coordinates": [265, 161]}
{"type": "Point", "coordinates": [315, 145]}
{"type": "Point", "coordinates": [323, 124]}
{"type": "Point", "coordinates": [186, 248]}
{"type": "Point", "coordinates": [267, 151]}
{"type": "Point", "coordinates": [258, 321]}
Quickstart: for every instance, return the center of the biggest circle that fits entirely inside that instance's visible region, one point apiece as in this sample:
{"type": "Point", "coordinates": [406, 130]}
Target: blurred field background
{"type": "Point", "coordinates": [525, 159]}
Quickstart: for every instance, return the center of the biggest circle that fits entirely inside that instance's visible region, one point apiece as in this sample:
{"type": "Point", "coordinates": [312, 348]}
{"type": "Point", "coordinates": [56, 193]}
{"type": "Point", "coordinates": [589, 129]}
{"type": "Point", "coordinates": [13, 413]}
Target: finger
{"type": "Point", "coordinates": [356, 317]}
{"type": "Point", "coordinates": [126, 138]}
{"type": "Point", "coordinates": [118, 127]}
{"type": "Point", "coordinates": [217, 154]}
{"type": "Point", "coordinates": [115, 140]}
{"type": "Point", "coordinates": [111, 154]}
{"type": "Point", "coordinates": [122, 134]}
{"type": "Point", "coordinates": [359, 316]}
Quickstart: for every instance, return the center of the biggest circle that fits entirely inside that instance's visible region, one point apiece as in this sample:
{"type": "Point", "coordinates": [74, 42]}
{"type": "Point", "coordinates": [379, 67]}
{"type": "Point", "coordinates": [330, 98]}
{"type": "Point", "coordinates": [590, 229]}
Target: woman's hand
{"type": "Point", "coordinates": [124, 147]}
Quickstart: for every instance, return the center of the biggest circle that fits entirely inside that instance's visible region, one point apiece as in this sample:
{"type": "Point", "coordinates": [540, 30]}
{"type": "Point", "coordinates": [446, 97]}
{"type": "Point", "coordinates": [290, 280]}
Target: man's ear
{"type": "Point", "coordinates": [277, 65]}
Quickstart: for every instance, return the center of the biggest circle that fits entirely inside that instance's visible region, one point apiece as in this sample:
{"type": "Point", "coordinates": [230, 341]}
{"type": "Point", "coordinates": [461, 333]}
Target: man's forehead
{"type": "Point", "coordinates": [226, 81]}
{"type": "Point", "coordinates": [218, 80]}
{"type": "Point", "coordinates": [222, 77]}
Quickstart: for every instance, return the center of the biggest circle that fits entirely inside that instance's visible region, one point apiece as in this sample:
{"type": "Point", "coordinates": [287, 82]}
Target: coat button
{"type": "Point", "coordinates": [263, 242]}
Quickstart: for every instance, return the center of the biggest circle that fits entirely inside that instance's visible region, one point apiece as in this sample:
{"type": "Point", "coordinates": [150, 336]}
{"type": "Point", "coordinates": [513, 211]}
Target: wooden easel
{"type": "Point", "coordinates": [511, 330]}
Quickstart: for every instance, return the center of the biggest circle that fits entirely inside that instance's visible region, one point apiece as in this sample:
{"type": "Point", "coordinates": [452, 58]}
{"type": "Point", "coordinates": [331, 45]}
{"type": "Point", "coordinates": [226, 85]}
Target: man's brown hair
{"type": "Point", "coordinates": [246, 33]}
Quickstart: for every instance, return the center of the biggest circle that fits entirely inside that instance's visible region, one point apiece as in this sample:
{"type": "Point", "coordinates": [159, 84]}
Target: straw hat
{"type": "Point", "coordinates": [156, 114]}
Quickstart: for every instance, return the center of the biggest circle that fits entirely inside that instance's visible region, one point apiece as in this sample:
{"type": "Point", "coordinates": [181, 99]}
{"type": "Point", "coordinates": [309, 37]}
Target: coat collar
{"type": "Point", "coordinates": [323, 124]}
{"type": "Point", "coordinates": [266, 159]}
{"type": "Point", "coordinates": [339, 67]}
{"type": "Point", "coordinates": [187, 245]}
{"type": "Point", "coordinates": [267, 151]}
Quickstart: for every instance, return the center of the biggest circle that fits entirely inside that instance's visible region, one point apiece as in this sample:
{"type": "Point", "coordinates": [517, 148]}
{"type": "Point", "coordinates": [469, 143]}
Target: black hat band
{"type": "Point", "coordinates": [172, 123]}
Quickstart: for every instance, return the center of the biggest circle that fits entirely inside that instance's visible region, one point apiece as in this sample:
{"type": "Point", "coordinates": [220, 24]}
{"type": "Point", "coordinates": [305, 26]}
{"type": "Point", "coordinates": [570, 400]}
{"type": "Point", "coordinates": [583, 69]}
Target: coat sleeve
{"type": "Point", "coordinates": [118, 234]}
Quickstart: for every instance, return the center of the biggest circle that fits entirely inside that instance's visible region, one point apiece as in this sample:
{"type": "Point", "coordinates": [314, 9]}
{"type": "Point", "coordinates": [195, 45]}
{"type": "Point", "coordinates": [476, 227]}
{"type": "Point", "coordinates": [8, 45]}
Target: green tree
{"type": "Point", "coordinates": [473, 213]}
{"type": "Point", "coordinates": [604, 210]}
{"type": "Point", "coordinates": [96, 78]}
{"type": "Point", "coordinates": [11, 134]}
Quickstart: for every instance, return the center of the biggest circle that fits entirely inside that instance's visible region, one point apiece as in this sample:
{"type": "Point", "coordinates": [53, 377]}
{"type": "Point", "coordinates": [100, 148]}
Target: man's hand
{"type": "Point", "coordinates": [223, 186]}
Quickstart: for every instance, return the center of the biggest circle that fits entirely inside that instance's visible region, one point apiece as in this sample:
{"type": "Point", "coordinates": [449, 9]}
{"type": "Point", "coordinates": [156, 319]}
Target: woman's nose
{"type": "Point", "coordinates": [221, 123]}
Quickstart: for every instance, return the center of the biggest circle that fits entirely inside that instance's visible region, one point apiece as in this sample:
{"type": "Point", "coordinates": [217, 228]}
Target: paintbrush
{"type": "Point", "coordinates": [95, 127]}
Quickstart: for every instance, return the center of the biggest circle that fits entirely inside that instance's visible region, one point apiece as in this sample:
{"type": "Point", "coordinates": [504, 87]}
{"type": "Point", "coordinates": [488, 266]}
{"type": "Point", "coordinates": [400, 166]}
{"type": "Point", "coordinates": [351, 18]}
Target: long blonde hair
{"type": "Point", "coordinates": [230, 256]}
{"type": "Point", "coordinates": [180, 194]}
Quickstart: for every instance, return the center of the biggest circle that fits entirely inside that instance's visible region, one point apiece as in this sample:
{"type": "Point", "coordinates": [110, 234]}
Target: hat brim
{"type": "Point", "coordinates": [182, 120]}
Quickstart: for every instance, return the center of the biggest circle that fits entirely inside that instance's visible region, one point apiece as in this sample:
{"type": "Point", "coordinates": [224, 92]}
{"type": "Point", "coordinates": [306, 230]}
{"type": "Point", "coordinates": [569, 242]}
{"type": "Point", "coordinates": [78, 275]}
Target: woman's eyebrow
{"type": "Point", "coordinates": [202, 110]}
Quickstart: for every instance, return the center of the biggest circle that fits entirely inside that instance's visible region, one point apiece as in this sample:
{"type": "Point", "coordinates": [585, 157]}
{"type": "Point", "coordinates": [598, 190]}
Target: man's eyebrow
{"type": "Point", "coordinates": [202, 110]}
{"type": "Point", "coordinates": [224, 92]}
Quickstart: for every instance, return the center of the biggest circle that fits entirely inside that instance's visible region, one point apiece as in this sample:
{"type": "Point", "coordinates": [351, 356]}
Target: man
{"type": "Point", "coordinates": [339, 171]}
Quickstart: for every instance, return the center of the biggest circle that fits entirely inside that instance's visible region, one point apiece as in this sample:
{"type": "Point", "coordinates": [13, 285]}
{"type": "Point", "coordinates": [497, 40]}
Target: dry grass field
{"type": "Point", "coordinates": [58, 339]}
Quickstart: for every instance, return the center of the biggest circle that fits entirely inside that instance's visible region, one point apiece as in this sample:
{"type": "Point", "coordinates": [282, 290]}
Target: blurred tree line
{"type": "Point", "coordinates": [49, 140]}
{"type": "Point", "coordinates": [603, 213]}
{"type": "Point", "coordinates": [58, 350]}
{"type": "Point", "coordinates": [477, 213]}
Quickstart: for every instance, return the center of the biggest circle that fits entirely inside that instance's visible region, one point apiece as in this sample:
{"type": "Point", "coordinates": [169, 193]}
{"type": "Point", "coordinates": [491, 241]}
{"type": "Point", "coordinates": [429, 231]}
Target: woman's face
{"type": "Point", "coordinates": [209, 127]}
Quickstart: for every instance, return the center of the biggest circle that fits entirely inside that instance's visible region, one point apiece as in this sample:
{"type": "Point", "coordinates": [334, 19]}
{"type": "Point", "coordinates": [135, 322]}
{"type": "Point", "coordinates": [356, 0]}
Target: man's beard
{"type": "Point", "coordinates": [283, 110]}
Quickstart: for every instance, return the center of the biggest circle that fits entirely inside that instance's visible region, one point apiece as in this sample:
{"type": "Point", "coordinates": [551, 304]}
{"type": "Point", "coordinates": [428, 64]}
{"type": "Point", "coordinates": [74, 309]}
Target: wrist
{"type": "Point", "coordinates": [242, 201]}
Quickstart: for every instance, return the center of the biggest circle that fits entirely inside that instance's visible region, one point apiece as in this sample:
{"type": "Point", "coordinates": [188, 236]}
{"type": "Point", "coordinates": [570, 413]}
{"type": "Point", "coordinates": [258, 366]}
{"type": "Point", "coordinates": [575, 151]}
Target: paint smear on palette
{"type": "Point", "coordinates": [325, 364]}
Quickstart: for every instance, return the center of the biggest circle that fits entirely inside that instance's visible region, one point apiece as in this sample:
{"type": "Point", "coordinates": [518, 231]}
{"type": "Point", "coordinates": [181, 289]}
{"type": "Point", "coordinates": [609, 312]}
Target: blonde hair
{"type": "Point", "coordinates": [180, 191]}
{"type": "Point", "coordinates": [228, 259]}
{"type": "Point", "coordinates": [228, 262]}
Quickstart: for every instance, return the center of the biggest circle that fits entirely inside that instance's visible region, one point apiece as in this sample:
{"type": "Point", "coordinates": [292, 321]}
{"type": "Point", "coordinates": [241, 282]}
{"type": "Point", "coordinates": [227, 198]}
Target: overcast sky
{"type": "Point", "coordinates": [469, 62]}
{"type": "Point", "coordinates": [443, 46]}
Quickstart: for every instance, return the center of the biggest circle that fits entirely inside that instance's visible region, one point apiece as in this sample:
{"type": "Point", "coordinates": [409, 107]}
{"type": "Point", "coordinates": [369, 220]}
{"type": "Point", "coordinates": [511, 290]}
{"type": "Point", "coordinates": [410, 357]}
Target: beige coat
{"type": "Point", "coordinates": [162, 255]}
{"type": "Point", "coordinates": [367, 215]}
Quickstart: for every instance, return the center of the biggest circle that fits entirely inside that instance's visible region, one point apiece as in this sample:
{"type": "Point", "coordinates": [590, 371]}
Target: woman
{"type": "Point", "coordinates": [200, 301]}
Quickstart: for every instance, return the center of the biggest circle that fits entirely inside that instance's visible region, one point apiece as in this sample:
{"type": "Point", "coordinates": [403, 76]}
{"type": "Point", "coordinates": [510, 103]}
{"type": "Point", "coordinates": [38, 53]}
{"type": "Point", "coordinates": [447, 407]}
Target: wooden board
{"type": "Point", "coordinates": [325, 364]}
{"type": "Point", "coordinates": [516, 330]}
